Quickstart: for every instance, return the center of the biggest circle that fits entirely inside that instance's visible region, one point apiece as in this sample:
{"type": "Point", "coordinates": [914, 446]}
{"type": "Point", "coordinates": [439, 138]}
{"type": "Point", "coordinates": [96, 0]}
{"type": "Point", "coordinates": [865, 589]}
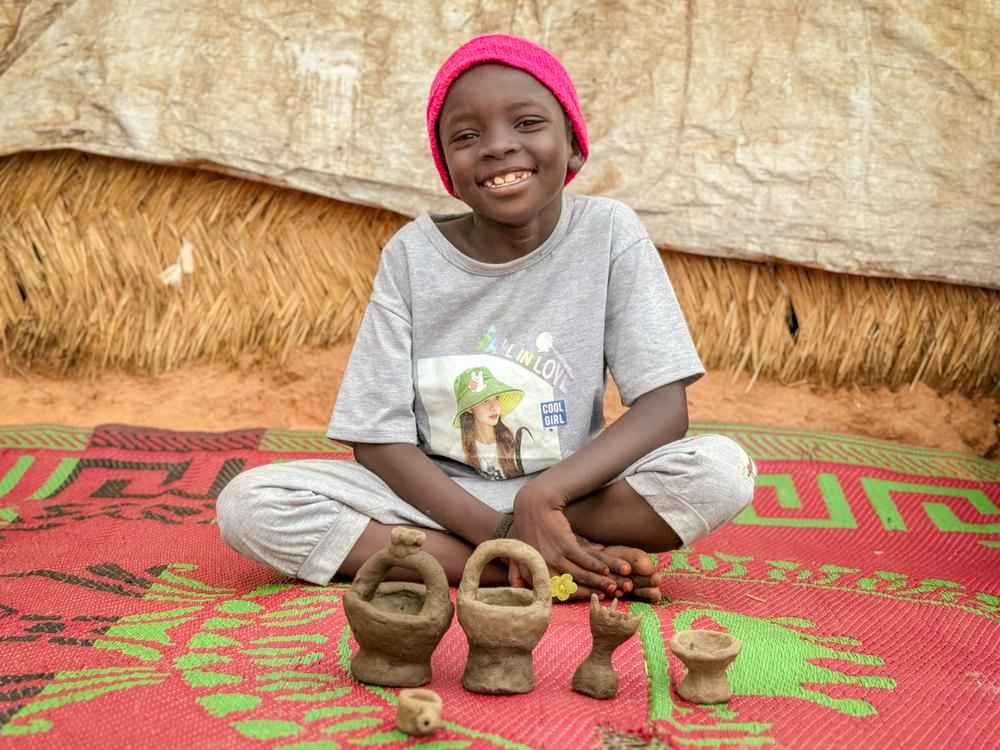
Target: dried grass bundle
{"type": "Point", "coordinates": [86, 239]}
{"type": "Point", "coordinates": [249, 267]}
{"type": "Point", "coordinates": [795, 324]}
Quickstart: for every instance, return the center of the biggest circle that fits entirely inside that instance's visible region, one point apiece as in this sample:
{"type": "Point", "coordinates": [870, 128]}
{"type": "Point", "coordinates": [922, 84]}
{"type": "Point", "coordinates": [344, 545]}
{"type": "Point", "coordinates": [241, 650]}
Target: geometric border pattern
{"type": "Point", "coordinates": [761, 443]}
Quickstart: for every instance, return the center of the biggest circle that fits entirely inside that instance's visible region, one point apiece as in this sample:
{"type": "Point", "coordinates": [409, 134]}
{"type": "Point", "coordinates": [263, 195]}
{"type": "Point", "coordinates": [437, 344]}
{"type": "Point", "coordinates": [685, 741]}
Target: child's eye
{"type": "Point", "coordinates": [464, 135]}
{"type": "Point", "coordinates": [528, 122]}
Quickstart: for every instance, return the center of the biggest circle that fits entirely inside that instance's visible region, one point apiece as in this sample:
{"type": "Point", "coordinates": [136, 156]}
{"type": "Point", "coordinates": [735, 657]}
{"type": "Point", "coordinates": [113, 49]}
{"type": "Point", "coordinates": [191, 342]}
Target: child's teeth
{"type": "Point", "coordinates": [505, 179]}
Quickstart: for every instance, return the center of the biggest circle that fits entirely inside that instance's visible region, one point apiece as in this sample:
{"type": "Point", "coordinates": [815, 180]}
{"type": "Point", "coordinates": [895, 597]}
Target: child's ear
{"type": "Point", "coordinates": [576, 156]}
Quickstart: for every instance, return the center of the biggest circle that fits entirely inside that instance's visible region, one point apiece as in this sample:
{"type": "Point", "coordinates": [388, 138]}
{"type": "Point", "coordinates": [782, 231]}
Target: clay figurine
{"type": "Point", "coordinates": [609, 628]}
{"type": "Point", "coordinates": [503, 624]}
{"type": "Point", "coordinates": [706, 654]}
{"type": "Point", "coordinates": [398, 625]}
{"type": "Point", "coordinates": [418, 711]}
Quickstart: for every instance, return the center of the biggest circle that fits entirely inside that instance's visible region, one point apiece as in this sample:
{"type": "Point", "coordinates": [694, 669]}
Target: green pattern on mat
{"type": "Point", "coordinates": [839, 515]}
{"type": "Point", "coordinates": [75, 686]}
{"type": "Point", "coordinates": [662, 707]}
{"type": "Point", "coordinates": [298, 441]}
{"type": "Point", "coordinates": [877, 583]}
{"type": "Point", "coordinates": [56, 479]}
{"type": "Point", "coordinates": [209, 665]}
{"type": "Point", "coordinates": [11, 478]}
{"type": "Point", "coordinates": [778, 654]}
{"type": "Point", "coordinates": [879, 493]}
{"type": "Point", "coordinates": [51, 436]}
{"type": "Point", "coordinates": [143, 636]}
{"type": "Point", "coordinates": [785, 444]}
{"type": "Point", "coordinates": [764, 443]}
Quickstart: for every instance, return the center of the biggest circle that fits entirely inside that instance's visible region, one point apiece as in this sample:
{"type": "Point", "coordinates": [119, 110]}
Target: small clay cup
{"type": "Point", "coordinates": [418, 711]}
{"type": "Point", "coordinates": [707, 655]}
{"type": "Point", "coordinates": [503, 624]}
{"type": "Point", "coordinates": [398, 625]}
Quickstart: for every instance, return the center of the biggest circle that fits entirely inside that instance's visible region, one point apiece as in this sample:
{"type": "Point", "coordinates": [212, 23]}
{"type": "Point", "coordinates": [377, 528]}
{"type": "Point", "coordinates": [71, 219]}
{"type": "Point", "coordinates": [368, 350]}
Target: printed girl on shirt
{"type": "Point", "coordinates": [488, 445]}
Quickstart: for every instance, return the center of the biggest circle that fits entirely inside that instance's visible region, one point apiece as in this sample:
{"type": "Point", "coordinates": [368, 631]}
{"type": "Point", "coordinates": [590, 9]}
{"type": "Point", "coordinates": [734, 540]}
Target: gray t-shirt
{"type": "Point", "coordinates": [501, 367]}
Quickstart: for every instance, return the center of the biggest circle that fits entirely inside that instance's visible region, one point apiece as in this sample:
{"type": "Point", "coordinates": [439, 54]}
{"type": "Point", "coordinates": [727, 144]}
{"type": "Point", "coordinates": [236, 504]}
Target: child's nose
{"type": "Point", "coordinates": [497, 144]}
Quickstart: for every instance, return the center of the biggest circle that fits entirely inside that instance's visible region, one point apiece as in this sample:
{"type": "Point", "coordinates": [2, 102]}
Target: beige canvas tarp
{"type": "Point", "coordinates": [847, 135]}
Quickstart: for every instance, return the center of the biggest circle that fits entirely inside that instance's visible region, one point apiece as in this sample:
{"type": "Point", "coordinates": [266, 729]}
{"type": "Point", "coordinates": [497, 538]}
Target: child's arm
{"type": "Point", "coordinates": [654, 419]}
{"type": "Point", "coordinates": [421, 483]}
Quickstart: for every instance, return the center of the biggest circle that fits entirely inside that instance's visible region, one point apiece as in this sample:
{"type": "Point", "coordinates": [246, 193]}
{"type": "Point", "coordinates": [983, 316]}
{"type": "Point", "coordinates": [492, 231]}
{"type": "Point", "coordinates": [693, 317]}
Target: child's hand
{"type": "Point", "coordinates": [540, 522]}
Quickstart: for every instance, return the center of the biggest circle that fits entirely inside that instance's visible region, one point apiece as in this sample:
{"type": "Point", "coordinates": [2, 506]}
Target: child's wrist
{"type": "Point", "coordinates": [538, 494]}
{"type": "Point", "coordinates": [503, 526]}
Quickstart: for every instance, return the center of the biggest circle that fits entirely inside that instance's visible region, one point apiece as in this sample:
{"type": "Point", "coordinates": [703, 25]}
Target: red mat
{"type": "Point", "coordinates": [864, 584]}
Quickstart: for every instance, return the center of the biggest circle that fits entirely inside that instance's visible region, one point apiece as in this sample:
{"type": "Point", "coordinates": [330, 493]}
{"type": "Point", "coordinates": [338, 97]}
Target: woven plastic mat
{"type": "Point", "coordinates": [864, 584]}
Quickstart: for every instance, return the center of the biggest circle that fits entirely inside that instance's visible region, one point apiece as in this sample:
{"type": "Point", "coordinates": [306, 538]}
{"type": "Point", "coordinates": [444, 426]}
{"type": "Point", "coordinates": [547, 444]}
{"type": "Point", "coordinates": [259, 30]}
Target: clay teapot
{"type": "Point", "coordinates": [398, 625]}
{"type": "Point", "coordinates": [707, 654]}
{"type": "Point", "coordinates": [503, 624]}
{"type": "Point", "coordinates": [418, 711]}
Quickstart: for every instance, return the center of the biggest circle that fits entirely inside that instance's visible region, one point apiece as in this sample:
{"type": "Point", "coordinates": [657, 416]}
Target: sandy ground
{"type": "Point", "coordinates": [300, 394]}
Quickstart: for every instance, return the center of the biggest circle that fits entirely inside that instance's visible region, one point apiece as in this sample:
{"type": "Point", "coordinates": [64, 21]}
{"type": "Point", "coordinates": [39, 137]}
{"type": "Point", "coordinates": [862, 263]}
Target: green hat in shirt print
{"type": "Point", "coordinates": [477, 384]}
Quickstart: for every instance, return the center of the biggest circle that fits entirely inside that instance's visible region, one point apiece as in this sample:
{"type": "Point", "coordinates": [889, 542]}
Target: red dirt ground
{"type": "Point", "coordinates": [300, 394]}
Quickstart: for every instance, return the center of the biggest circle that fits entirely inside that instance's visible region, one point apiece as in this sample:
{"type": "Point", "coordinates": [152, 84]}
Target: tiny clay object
{"type": "Point", "coordinates": [398, 625]}
{"type": "Point", "coordinates": [610, 628]}
{"type": "Point", "coordinates": [503, 624]}
{"type": "Point", "coordinates": [706, 654]}
{"type": "Point", "coordinates": [418, 711]}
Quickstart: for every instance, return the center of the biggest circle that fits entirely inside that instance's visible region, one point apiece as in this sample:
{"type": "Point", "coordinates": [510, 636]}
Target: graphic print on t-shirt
{"type": "Point", "coordinates": [543, 358]}
{"type": "Point", "coordinates": [488, 412]}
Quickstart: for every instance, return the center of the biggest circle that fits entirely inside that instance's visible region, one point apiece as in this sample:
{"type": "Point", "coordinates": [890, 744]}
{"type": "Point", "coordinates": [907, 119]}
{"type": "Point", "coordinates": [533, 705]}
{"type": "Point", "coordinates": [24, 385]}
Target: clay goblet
{"type": "Point", "coordinates": [503, 624]}
{"type": "Point", "coordinates": [707, 655]}
{"type": "Point", "coordinates": [398, 625]}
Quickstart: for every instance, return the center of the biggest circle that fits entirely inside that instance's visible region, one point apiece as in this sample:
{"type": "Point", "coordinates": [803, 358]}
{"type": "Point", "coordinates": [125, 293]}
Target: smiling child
{"type": "Point", "coordinates": [532, 296]}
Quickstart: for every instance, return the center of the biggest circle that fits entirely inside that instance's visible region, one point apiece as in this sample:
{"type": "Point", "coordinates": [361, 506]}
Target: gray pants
{"type": "Point", "coordinates": [303, 517]}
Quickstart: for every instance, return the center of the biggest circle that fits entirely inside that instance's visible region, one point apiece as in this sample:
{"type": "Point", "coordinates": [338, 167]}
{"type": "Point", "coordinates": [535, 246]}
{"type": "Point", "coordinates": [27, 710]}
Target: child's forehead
{"type": "Point", "coordinates": [498, 85]}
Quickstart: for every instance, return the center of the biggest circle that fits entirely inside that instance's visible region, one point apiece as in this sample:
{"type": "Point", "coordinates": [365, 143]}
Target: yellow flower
{"type": "Point", "coordinates": [563, 587]}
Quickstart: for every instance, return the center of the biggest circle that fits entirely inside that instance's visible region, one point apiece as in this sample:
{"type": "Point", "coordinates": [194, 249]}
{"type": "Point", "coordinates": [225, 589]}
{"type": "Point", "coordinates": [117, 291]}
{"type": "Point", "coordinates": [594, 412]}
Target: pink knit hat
{"type": "Point", "coordinates": [516, 53]}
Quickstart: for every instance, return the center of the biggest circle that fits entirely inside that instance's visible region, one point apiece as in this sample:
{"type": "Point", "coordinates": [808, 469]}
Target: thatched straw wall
{"type": "Point", "coordinates": [85, 240]}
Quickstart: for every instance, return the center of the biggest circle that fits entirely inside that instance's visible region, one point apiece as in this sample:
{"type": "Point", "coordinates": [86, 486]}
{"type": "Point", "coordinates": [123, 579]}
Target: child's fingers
{"type": "Point", "coordinates": [514, 576]}
{"type": "Point", "coordinates": [623, 584]}
{"type": "Point", "coordinates": [526, 574]}
{"type": "Point", "coordinates": [596, 572]}
{"type": "Point", "coordinates": [583, 577]}
{"type": "Point", "coordinates": [615, 564]}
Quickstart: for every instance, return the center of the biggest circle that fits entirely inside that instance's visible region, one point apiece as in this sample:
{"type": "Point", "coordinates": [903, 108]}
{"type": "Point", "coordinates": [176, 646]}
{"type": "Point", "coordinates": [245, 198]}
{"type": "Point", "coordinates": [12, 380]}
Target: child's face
{"type": "Point", "coordinates": [506, 144]}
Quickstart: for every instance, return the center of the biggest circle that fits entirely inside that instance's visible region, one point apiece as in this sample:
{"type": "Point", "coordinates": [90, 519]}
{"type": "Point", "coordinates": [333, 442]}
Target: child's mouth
{"type": "Point", "coordinates": [506, 180]}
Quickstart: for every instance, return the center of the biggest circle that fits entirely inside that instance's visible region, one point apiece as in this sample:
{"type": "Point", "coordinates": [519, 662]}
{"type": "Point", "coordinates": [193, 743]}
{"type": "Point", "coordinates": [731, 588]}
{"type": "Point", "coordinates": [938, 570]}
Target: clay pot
{"type": "Point", "coordinates": [503, 624]}
{"type": "Point", "coordinates": [609, 628]}
{"type": "Point", "coordinates": [418, 711]}
{"type": "Point", "coordinates": [398, 625]}
{"type": "Point", "coordinates": [707, 655]}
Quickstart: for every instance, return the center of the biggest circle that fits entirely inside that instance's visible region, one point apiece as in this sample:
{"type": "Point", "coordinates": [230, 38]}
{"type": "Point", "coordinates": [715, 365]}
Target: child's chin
{"type": "Point", "coordinates": [509, 212]}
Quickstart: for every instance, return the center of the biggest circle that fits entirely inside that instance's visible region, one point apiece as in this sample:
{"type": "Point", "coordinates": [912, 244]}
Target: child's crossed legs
{"type": "Point", "coordinates": [313, 519]}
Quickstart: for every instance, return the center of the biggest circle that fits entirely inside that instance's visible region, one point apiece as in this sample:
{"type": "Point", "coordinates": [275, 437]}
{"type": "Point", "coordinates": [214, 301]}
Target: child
{"type": "Point", "coordinates": [532, 297]}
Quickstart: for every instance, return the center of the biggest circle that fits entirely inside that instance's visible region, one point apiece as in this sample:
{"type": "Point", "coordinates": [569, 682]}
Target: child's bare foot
{"type": "Point", "coordinates": [632, 569]}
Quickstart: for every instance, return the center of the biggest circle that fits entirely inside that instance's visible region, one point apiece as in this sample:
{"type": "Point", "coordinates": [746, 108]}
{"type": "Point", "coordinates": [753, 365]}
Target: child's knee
{"type": "Point", "coordinates": [237, 508]}
{"type": "Point", "coordinates": [729, 473]}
